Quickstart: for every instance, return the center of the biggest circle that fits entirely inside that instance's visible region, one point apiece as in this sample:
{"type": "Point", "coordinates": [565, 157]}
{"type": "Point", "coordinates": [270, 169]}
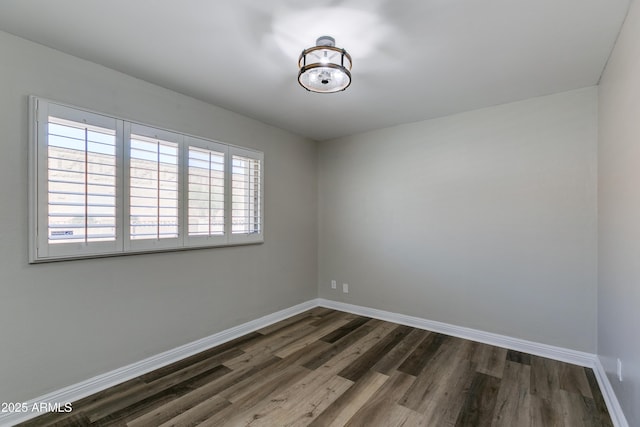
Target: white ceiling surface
{"type": "Point", "coordinates": [412, 59]}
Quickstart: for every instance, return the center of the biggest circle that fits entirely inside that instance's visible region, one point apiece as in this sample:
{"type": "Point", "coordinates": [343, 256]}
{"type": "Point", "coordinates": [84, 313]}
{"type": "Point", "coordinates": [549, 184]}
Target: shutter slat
{"type": "Point", "coordinates": [153, 184]}
{"type": "Point", "coordinates": [205, 181]}
{"type": "Point", "coordinates": [245, 199]}
{"type": "Point", "coordinates": [81, 182]}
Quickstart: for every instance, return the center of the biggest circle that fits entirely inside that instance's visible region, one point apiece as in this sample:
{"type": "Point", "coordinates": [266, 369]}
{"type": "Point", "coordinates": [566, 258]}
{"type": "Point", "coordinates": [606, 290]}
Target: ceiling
{"type": "Point", "coordinates": [412, 59]}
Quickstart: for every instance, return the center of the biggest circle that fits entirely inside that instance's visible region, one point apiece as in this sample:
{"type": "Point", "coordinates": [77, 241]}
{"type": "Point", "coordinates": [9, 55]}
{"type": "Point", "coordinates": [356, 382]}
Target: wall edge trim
{"type": "Point", "coordinates": [610, 398]}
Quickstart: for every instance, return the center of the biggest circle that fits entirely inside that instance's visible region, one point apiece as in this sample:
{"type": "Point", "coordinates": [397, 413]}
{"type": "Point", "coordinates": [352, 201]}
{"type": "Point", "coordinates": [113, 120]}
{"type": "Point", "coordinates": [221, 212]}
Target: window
{"type": "Point", "coordinates": [206, 192]}
{"type": "Point", "coordinates": [245, 193]}
{"type": "Point", "coordinates": [104, 186]}
{"type": "Point", "coordinates": [152, 171]}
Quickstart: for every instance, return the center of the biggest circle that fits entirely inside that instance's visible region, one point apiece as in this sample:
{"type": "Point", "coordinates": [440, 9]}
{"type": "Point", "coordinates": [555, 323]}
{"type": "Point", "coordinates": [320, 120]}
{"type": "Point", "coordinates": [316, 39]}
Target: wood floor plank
{"type": "Point", "coordinates": [323, 367]}
{"type": "Point", "coordinates": [155, 394]}
{"type": "Point", "coordinates": [331, 317]}
{"type": "Point", "coordinates": [591, 415]}
{"type": "Point", "coordinates": [345, 406]}
{"type": "Point", "coordinates": [274, 341]}
{"type": "Point", "coordinates": [379, 409]}
{"type": "Point", "coordinates": [335, 335]}
{"type": "Point", "coordinates": [519, 357]}
{"type": "Point", "coordinates": [178, 403]}
{"type": "Point", "coordinates": [75, 418]}
{"type": "Point", "coordinates": [573, 379]}
{"type": "Point", "coordinates": [423, 353]}
{"type": "Point", "coordinates": [257, 397]}
{"type": "Point", "coordinates": [297, 408]}
{"type": "Point", "coordinates": [545, 412]}
{"type": "Point", "coordinates": [565, 409]}
{"type": "Point", "coordinates": [362, 364]}
{"type": "Point", "coordinates": [297, 401]}
{"type": "Point", "coordinates": [219, 353]}
{"type": "Point", "coordinates": [176, 407]}
{"type": "Point", "coordinates": [124, 416]}
{"type": "Point", "coordinates": [401, 416]}
{"type": "Point", "coordinates": [545, 379]}
{"type": "Point", "coordinates": [184, 377]}
{"type": "Point", "coordinates": [480, 402]}
{"type": "Point", "coordinates": [444, 389]}
{"type": "Point", "coordinates": [178, 371]}
{"type": "Point", "coordinates": [320, 330]}
{"type": "Point", "coordinates": [341, 344]}
{"type": "Point", "coordinates": [578, 410]}
{"type": "Point", "coordinates": [275, 327]}
{"type": "Point", "coordinates": [203, 393]}
{"type": "Point", "coordinates": [245, 359]}
{"type": "Point", "coordinates": [120, 389]}
{"type": "Point", "coordinates": [126, 397]}
{"type": "Point", "coordinates": [397, 355]}
{"type": "Point", "coordinates": [489, 359]}
{"type": "Point", "coordinates": [305, 354]}
{"type": "Point", "coordinates": [513, 404]}
{"type": "Point", "coordinates": [321, 311]}
{"type": "Point", "coordinates": [431, 380]}
{"type": "Point", "coordinates": [394, 416]}
{"type": "Point", "coordinates": [598, 399]}
{"type": "Point", "coordinates": [195, 415]}
{"type": "Point", "coordinates": [344, 358]}
{"type": "Point", "coordinates": [268, 377]}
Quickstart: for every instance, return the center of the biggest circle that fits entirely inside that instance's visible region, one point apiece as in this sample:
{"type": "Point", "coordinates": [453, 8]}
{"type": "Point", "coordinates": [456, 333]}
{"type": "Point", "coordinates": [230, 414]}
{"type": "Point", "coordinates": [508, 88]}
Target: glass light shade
{"type": "Point", "coordinates": [324, 69]}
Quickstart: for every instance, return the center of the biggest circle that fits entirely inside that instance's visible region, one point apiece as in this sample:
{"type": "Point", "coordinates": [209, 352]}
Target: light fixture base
{"type": "Point", "coordinates": [324, 68]}
{"type": "Point", "coordinates": [325, 41]}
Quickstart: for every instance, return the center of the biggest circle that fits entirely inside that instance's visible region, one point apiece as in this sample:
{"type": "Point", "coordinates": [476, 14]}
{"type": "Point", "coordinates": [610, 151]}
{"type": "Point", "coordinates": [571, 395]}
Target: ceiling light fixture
{"type": "Point", "coordinates": [324, 68]}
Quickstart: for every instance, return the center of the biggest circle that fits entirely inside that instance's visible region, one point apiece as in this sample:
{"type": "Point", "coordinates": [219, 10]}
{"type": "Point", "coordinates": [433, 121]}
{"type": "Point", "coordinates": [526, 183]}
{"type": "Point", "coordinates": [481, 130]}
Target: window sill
{"type": "Point", "coordinates": [142, 252]}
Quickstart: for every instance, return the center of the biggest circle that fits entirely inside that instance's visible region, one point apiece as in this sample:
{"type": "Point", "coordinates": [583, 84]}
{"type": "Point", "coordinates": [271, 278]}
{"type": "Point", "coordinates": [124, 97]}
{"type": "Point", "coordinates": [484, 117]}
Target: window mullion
{"type": "Point", "coordinates": [121, 183]}
{"type": "Point", "coordinates": [228, 198]}
{"type": "Point", "coordinates": [126, 185]}
{"type": "Point", "coordinates": [86, 185]}
{"type": "Point", "coordinates": [158, 191]}
{"type": "Point", "coordinates": [183, 211]}
{"type": "Point", "coordinates": [209, 194]}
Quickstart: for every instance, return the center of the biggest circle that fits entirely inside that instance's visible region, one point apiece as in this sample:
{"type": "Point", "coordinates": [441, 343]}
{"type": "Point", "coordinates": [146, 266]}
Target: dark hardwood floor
{"type": "Point", "coordinates": [328, 368]}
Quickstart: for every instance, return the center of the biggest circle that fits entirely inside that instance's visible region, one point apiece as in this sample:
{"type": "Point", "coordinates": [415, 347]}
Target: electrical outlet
{"type": "Point", "coordinates": [334, 285]}
{"type": "Point", "coordinates": [619, 370]}
{"type": "Point", "coordinates": [345, 288]}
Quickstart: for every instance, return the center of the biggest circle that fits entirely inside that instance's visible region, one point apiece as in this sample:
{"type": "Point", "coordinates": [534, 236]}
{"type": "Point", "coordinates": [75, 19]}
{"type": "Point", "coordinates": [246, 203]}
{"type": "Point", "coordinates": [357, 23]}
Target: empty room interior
{"type": "Point", "coordinates": [320, 213]}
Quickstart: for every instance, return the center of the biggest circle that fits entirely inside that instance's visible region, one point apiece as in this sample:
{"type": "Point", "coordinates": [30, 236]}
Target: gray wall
{"type": "Point", "coordinates": [619, 216]}
{"type": "Point", "coordinates": [61, 323]}
{"type": "Point", "coordinates": [485, 219]}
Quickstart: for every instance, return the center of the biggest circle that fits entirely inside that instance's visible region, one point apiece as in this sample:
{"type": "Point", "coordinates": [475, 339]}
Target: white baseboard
{"type": "Point", "coordinates": [615, 410]}
{"type": "Point", "coordinates": [544, 350]}
{"type": "Point", "coordinates": [101, 382]}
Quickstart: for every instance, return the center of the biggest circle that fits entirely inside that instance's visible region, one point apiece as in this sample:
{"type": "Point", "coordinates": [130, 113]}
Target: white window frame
{"type": "Point", "coordinates": [39, 242]}
{"type": "Point", "coordinates": [243, 238]}
{"type": "Point", "coordinates": [41, 251]}
{"type": "Point", "coordinates": [160, 134]}
{"type": "Point", "coordinates": [210, 240]}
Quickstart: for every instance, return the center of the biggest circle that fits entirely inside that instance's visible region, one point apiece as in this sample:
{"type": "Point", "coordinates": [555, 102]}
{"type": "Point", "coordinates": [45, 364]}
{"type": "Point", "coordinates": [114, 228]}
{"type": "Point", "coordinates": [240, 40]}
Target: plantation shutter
{"type": "Point", "coordinates": [78, 189]}
{"type": "Point", "coordinates": [153, 187]}
{"type": "Point", "coordinates": [246, 195]}
{"type": "Point", "coordinates": [206, 188]}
